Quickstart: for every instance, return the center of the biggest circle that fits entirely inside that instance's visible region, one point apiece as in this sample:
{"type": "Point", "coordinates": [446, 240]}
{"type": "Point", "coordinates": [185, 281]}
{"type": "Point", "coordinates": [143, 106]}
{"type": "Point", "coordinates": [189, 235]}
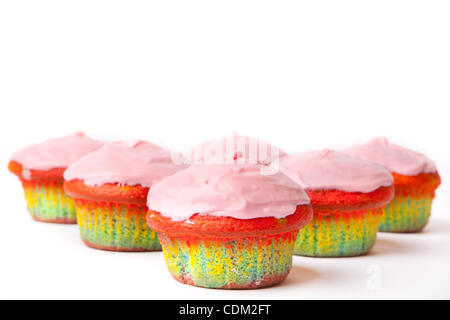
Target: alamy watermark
{"type": "Point", "coordinates": [234, 150]}
{"type": "Point", "coordinates": [373, 277]}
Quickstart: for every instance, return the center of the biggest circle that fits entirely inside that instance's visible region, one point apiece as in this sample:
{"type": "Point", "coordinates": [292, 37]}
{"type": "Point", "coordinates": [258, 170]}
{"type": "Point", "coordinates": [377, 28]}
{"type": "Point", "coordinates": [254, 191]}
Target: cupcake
{"type": "Point", "coordinates": [228, 226]}
{"type": "Point", "coordinates": [40, 168]}
{"type": "Point", "coordinates": [415, 181]}
{"type": "Point", "coordinates": [236, 149]}
{"type": "Point", "coordinates": [347, 195]}
{"type": "Point", "coordinates": [110, 189]}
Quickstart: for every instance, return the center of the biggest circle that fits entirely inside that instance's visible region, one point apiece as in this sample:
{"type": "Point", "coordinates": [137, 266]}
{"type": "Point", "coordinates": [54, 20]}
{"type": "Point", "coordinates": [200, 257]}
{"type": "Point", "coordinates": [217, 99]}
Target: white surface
{"type": "Point", "coordinates": [302, 75]}
{"type": "Point", "coordinates": [49, 261]}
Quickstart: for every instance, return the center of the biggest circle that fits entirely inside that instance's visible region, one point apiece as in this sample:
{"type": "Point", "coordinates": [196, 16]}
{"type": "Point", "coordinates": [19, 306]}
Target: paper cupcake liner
{"type": "Point", "coordinates": [406, 214]}
{"type": "Point", "coordinates": [339, 234]}
{"type": "Point", "coordinates": [115, 226]}
{"type": "Point", "coordinates": [47, 202]}
{"type": "Point", "coordinates": [243, 263]}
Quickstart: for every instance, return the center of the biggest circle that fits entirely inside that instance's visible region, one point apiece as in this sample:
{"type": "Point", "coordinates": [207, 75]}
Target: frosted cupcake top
{"type": "Point", "coordinates": [394, 158]}
{"type": "Point", "coordinates": [235, 149]}
{"type": "Point", "coordinates": [126, 163]}
{"type": "Point", "coordinates": [56, 153]}
{"type": "Point", "coordinates": [327, 170]}
{"type": "Point", "coordinates": [238, 191]}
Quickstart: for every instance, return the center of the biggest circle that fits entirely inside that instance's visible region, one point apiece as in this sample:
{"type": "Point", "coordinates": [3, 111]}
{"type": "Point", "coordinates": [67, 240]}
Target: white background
{"type": "Point", "coordinates": [300, 74]}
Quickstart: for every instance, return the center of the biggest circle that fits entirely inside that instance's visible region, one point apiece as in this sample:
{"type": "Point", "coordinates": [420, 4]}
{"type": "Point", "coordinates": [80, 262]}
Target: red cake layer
{"type": "Point", "coordinates": [423, 184]}
{"type": "Point", "coordinates": [350, 201]}
{"type": "Point", "coordinates": [222, 227]}
{"type": "Point", "coordinates": [107, 192]}
{"type": "Point", "coordinates": [55, 174]}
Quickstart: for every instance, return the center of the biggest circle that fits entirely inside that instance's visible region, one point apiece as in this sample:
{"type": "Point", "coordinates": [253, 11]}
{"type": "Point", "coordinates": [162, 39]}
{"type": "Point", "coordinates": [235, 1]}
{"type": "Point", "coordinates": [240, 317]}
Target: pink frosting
{"type": "Point", "coordinates": [238, 191]}
{"type": "Point", "coordinates": [126, 163]}
{"type": "Point", "coordinates": [56, 153]}
{"type": "Point", "coordinates": [392, 157]}
{"type": "Point", "coordinates": [327, 169]}
{"type": "Point", "coordinates": [236, 149]}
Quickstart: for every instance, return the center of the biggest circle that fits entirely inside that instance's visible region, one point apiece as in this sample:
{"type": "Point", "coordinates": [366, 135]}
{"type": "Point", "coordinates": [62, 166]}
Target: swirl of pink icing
{"type": "Point", "coordinates": [327, 169]}
{"type": "Point", "coordinates": [235, 149]}
{"type": "Point", "coordinates": [238, 191]}
{"type": "Point", "coordinates": [394, 158]}
{"type": "Point", "coordinates": [126, 163]}
{"type": "Point", "coordinates": [57, 152]}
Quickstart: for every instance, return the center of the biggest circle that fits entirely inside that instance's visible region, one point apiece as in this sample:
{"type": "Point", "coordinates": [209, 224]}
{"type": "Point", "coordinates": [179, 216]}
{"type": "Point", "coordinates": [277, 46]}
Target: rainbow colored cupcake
{"type": "Point", "coordinates": [40, 168]}
{"type": "Point", "coordinates": [347, 195]}
{"type": "Point", "coordinates": [415, 179]}
{"type": "Point", "coordinates": [110, 188]}
{"type": "Point", "coordinates": [228, 226]}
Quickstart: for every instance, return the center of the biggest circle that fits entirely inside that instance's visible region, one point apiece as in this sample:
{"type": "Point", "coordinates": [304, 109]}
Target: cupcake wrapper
{"type": "Point", "coordinates": [251, 262]}
{"type": "Point", "coordinates": [406, 214]}
{"type": "Point", "coordinates": [115, 226]}
{"type": "Point", "coordinates": [339, 235]}
{"type": "Point", "coordinates": [47, 202]}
